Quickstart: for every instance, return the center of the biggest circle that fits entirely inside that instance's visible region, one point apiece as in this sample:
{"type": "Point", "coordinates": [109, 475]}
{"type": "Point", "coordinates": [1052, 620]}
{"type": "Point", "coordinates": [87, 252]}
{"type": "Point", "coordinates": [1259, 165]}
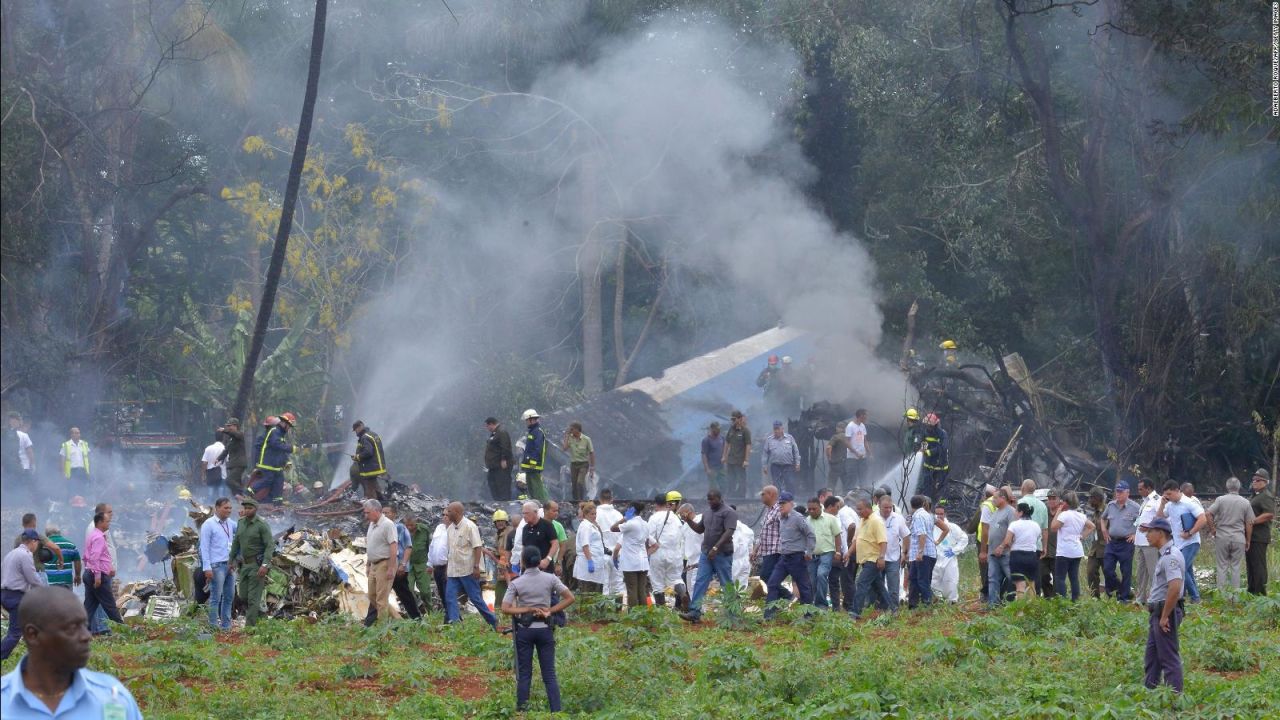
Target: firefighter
{"type": "Point", "coordinates": [535, 456]}
{"type": "Point", "coordinates": [950, 352]}
{"type": "Point", "coordinates": [912, 435]}
{"type": "Point", "coordinates": [371, 470]}
{"type": "Point", "coordinates": [271, 455]}
{"type": "Point", "coordinates": [768, 375]}
{"type": "Point", "coordinates": [936, 463]}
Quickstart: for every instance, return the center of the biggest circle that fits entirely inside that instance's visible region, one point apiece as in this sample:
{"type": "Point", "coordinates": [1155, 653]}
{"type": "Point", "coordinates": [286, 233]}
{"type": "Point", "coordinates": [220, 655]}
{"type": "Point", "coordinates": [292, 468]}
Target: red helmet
{"type": "Point", "coordinates": [289, 418]}
{"type": "Point", "coordinates": [931, 419]}
{"type": "Point", "coordinates": [773, 359]}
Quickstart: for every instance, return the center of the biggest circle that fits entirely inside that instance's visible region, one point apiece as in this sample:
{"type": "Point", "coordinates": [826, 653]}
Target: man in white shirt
{"type": "Point", "coordinates": [897, 532]}
{"type": "Point", "coordinates": [666, 565]}
{"type": "Point", "coordinates": [858, 457]}
{"type": "Point", "coordinates": [1147, 555]}
{"type": "Point", "coordinates": [75, 459]}
{"type": "Point", "coordinates": [606, 517]}
{"type": "Point", "coordinates": [438, 557]}
{"type": "Point", "coordinates": [843, 571]}
{"type": "Point", "coordinates": [24, 456]}
{"type": "Point", "coordinates": [215, 470]}
{"type": "Point", "coordinates": [1187, 517]}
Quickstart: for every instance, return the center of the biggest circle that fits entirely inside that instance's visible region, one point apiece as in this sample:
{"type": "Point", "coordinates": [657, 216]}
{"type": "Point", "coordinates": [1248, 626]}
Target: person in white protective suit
{"type": "Point", "coordinates": [666, 564]}
{"type": "Point", "coordinates": [743, 539]}
{"type": "Point", "coordinates": [692, 546]}
{"type": "Point", "coordinates": [946, 573]}
{"type": "Point", "coordinates": [606, 517]}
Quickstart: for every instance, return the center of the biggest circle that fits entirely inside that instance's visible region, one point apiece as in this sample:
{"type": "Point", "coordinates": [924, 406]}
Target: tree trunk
{"type": "Point", "coordinates": [589, 275]}
{"type": "Point", "coordinates": [274, 270]}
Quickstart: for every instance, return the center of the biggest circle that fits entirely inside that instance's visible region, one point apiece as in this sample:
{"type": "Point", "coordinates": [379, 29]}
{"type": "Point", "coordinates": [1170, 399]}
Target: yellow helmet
{"type": "Point", "coordinates": [499, 515]}
{"type": "Point", "coordinates": [674, 496]}
{"type": "Point", "coordinates": [948, 345]}
{"type": "Point", "coordinates": [183, 493]}
{"type": "Point", "coordinates": [912, 414]}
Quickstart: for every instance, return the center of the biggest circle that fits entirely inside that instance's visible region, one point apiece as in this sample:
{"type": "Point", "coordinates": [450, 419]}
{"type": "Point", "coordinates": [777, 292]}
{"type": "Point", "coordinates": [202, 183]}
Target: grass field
{"type": "Point", "coordinates": [1037, 659]}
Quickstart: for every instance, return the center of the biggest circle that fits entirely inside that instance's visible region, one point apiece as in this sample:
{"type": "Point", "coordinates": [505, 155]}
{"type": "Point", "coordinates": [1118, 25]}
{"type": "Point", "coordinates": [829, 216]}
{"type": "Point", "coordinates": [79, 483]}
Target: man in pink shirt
{"type": "Point", "coordinates": [98, 571]}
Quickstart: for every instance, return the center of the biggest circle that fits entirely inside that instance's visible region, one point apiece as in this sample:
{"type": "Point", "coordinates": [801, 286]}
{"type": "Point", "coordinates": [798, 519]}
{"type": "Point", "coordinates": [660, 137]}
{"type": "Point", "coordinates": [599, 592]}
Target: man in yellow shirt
{"type": "Point", "coordinates": [870, 543]}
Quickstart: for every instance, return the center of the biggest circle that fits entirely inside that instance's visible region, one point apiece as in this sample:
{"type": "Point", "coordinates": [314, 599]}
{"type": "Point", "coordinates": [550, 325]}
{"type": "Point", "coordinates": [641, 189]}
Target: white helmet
{"type": "Point", "coordinates": [786, 360]}
{"type": "Point", "coordinates": [530, 413]}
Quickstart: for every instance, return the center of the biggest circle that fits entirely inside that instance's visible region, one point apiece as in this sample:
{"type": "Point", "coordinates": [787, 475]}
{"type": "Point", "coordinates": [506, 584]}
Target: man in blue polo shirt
{"type": "Point", "coordinates": [51, 680]}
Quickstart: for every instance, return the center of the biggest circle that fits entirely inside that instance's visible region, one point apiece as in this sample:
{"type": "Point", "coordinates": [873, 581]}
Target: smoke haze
{"type": "Point", "coordinates": [674, 136]}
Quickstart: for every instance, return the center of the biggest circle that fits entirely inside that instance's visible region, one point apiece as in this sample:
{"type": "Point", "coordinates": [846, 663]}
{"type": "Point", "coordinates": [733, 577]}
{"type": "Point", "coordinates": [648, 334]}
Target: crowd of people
{"type": "Point", "coordinates": [856, 553]}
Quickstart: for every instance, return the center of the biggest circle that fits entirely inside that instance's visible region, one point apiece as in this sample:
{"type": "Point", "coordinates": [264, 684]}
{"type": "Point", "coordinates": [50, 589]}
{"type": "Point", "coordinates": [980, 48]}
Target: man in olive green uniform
{"type": "Point", "coordinates": [1264, 511]}
{"type": "Point", "coordinates": [251, 550]}
{"type": "Point", "coordinates": [1093, 570]}
{"type": "Point", "coordinates": [420, 578]}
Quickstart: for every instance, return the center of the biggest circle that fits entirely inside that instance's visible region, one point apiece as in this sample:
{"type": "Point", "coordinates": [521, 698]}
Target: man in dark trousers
{"type": "Point", "coordinates": [234, 455]}
{"type": "Point", "coordinates": [251, 549]}
{"type": "Point", "coordinates": [1263, 503]}
{"type": "Point", "coordinates": [371, 463]}
{"type": "Point", "coordinates": [535, 457]}
{"type": "Point", "coordinates": [497, 460]}
{"type": "Point", "coordinates": [1163, 661]}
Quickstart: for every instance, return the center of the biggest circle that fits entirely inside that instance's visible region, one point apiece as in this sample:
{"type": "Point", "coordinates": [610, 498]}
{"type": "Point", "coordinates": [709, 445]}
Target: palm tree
{"type": "Point", "coordinates": [272, 282]}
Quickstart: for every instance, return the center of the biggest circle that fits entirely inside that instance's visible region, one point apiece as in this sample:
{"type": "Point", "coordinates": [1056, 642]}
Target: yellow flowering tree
{"type": "Point", "coordinates": [355, 208]}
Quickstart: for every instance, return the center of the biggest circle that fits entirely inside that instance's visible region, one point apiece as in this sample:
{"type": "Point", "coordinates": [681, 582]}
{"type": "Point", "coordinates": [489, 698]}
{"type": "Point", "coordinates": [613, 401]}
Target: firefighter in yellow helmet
{"type": "Point", "coordinates": [950, 352]}
{"type": "Point", "coordinates": [912, 433]}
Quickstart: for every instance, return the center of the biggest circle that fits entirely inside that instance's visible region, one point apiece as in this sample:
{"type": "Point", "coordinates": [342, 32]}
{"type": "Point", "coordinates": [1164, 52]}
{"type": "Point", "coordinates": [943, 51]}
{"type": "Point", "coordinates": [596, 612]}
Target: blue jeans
{"type": "Point", "coordinates": [471, 586]}
{"type": "Point", "coordinates": [870, 580]}
{"type": "Point", "coordinates": [98, 621]}
{"type": "Point", "coordinates": [1118, 552]}
{"type": "Point", "coordinates": [920, 579]}
{"type": "Point", "coordinates": [793, 565]}
{"type": "Point", "coordinates": [893, 585]}
{"type": "Point", "coordinates": [783, 477]}
{"type": "Point", "coordinates": [819, 577]}
{"type": "Point", "coordinates": [767, 563]}
{"type": "Point", "coordinates": [722, 567]}
{"type": "Point", "coordinates": [1189, 578]}
{"type": "Point", "coordinates": [997, 575]}
{"type": "Point", "coordinates": [222, 593]}
{"type": "Point", "coordinates": [542, 639]}
{"type": "Point", "coordinates": [1065, 569]}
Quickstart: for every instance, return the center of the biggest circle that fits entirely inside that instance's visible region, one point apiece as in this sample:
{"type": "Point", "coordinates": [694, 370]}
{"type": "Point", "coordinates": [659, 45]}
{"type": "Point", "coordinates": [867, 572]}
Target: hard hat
{"type": "Point", "coordinates": [289, 418]}
{"type": "Point", "coordinates": [773, 359]}
{"type": "Point", "coordinates": [270, 421]}
{"type": "Point", "coordinates": [786, 359]}
{"type": "Point", "coordinates": [317, 485]}
{"type": "Point", "coordinates": [530, 413]}
{"type": "Point", "coordinates": [948, 345]}
{"type": "Point", "coordinates": [78, 501]}
{"type": "Point", "coordinates": [499, 515]}
{"type": "Point", "coordinates": [931, 419]}
{"type": "Point", "coordinates": [912, 414]}
{"type": "Point", "coordinates": [674, 496]}
{"type": "Point", "coordinates": [183, 493]}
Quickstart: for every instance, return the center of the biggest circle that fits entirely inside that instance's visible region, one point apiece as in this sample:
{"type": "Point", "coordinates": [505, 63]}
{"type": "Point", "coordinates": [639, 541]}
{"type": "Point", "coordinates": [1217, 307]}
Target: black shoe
{"type": "Point", "coordinates": [690, 617]}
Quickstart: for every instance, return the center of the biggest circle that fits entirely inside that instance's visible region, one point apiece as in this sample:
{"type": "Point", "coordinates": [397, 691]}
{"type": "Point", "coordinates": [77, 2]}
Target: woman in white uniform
{"type": "Point", "coordinates": [946, 573]}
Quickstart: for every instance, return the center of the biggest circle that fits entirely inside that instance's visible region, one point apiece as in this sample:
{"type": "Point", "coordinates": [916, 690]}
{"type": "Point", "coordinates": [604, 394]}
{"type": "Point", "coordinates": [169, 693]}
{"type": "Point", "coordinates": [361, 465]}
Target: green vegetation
{"type": "Point", "coordinates": [1030, 660]}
